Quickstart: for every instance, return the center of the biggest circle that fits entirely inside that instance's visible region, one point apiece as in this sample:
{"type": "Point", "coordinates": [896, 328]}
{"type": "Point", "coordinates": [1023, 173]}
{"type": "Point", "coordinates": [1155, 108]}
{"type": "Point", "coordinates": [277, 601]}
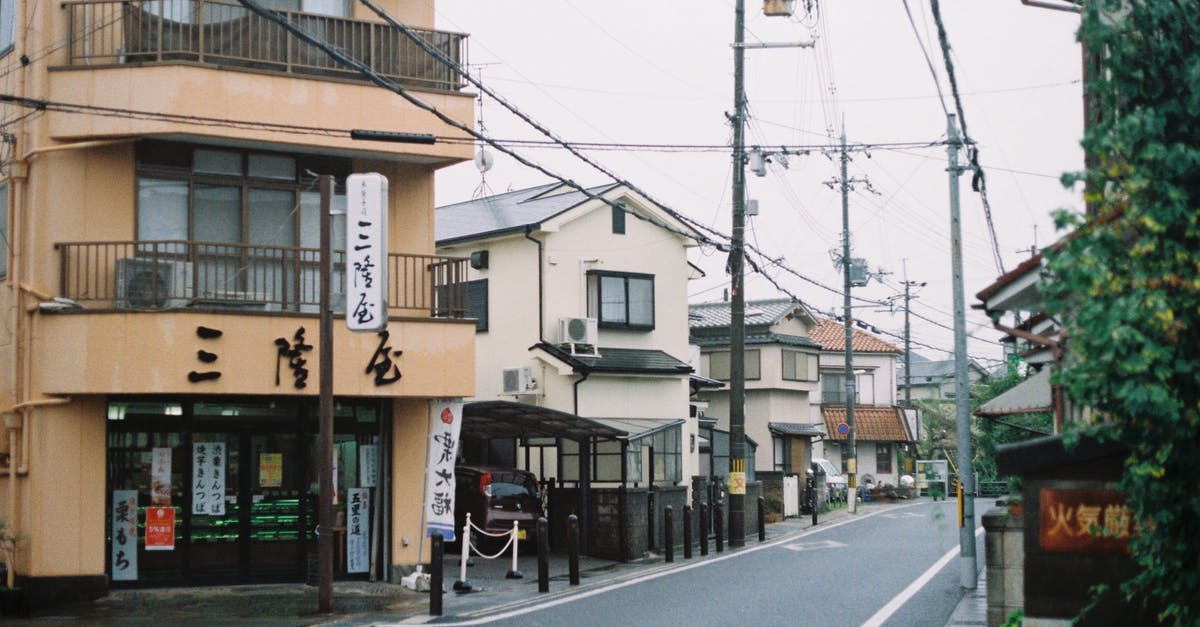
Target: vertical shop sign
{"type": "Point", "coordinates": [443, 452]}
{"type": "Point", "coordinates": [208, 478]}
{"type": "Point", "coordinates": [124, 535]}
{"type": "Point", "coordinates": [160, 476]}
{"type": "Point", "coordinates": [160, 528]}
{"type": "Point", "coordinates": [368, 465]}
{"type": "Point", "coordinates": [270, 470]}
{"type": "Point", "coordinates": [366, 252]}
{"type": "Point", "coordinates": [358, 517]}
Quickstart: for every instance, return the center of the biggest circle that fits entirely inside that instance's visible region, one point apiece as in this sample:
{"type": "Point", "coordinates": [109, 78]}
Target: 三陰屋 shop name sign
{"type": "Point", "coordinates": [366, 252]}
{"type": "Point", "coordinates": [1090, 521]}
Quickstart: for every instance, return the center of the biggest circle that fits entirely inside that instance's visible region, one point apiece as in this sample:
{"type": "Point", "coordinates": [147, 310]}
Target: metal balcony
{"type": "Point", "coordinates": [226, 34]}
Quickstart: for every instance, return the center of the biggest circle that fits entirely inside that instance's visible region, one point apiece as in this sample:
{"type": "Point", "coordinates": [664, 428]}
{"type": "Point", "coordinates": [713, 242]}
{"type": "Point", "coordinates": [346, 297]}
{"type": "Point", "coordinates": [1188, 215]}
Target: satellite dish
{"type": "Point", "coordinates": [483, 160]}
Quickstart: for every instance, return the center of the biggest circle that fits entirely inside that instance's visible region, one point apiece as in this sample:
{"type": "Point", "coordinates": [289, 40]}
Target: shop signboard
{"type": "Point", "coordinates": [208, 478]}
{"type": "Point", "coordinates": [366, 252]}
{"type": "Point", "coordinates": [443, 452]}
{"type": "Point", "coordinates": [160, 528]}
{"type": "Point", "coordinates": [358, 525]}
{"type": "Point", "coordinates": [124, 535]}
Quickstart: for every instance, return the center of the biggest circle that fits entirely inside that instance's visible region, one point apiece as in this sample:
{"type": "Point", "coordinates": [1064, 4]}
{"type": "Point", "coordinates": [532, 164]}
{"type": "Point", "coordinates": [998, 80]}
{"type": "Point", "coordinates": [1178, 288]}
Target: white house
{"type": "Point", "coordinates": [581, 302]}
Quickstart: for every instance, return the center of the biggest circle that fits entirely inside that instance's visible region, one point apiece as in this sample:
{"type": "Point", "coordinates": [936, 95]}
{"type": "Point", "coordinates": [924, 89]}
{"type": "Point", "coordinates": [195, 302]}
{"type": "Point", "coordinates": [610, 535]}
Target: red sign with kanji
{"type": "Point", "coordinates": [160, 528]}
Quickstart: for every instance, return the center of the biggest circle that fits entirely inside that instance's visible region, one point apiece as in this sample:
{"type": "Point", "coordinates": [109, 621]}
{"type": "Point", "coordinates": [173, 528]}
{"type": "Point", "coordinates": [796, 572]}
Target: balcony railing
{"type": "Point", "coordinates": [226, 34]}
{"type": "Point", "coordinates": [158, 275]}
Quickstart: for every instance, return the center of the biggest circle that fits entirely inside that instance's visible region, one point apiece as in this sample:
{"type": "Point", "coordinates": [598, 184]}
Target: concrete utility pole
{"type": "Point", "coordinates": [962, 400]}
{"type": "Point", "coordinates": [908, 285]}
{"type": "Point", "coordinates": [847, 316]}
{"type": "Point", "coordinates": [737, 307]}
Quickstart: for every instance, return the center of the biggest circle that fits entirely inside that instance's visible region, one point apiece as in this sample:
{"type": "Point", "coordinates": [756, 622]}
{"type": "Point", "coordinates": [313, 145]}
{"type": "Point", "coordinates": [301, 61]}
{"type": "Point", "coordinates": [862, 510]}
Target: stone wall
{"type": "Point", "coordinates": [1005, 556]}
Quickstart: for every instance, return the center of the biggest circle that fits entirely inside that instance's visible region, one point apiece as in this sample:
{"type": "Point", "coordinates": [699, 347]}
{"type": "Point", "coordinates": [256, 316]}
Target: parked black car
{"type": "Point", "coordinates": [496, 497]}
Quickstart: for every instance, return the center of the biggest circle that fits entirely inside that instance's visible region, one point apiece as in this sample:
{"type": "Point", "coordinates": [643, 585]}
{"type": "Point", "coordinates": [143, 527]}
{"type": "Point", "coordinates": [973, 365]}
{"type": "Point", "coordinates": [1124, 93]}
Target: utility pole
{"type": "Point", "coordinates": [962, 401]}
{"type": "Point", "coordinates": [852, 444]}
{"type": "Point", "coordinates": [737, 312]}
{"type": "Point", "coordinates": [908, 285]}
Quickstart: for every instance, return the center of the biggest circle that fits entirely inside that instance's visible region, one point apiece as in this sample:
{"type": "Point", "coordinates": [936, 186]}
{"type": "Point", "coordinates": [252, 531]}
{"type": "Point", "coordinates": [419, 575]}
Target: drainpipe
{"type": "Point", "coordinates": [582, 377]}
{"type": "Point", "coordinates": [541, 309]}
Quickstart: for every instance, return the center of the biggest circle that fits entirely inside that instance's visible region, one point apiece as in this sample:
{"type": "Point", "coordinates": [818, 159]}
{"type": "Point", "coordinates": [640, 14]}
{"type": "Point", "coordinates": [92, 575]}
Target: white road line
{"type": "Point", "coordinates": [899, 600]}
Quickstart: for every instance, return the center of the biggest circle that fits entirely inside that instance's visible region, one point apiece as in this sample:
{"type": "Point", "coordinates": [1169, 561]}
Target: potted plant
{"type": "Point", "coordinates": [12, 598]}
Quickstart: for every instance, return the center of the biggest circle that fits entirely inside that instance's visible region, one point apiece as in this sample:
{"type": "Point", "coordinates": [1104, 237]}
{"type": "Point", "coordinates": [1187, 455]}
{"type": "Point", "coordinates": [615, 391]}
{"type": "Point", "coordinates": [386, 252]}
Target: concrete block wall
{"type": "Point", "coordinates": [1004, 548]}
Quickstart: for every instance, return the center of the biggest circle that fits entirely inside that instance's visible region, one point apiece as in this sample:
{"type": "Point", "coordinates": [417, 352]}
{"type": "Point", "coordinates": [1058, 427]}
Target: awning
{"type": "Point", "coordinates": [1029, 396]}
{"type": "Point", "coordinates": [507, 419]}
{"type": "Point", "coordinates": [795, 429]}
{"type": "Point", "coordinates": [637, 428]}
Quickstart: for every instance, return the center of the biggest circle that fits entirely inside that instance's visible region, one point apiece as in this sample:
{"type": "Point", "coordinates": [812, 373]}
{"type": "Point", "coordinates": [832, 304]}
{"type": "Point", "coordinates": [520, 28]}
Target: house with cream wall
{"type": "Point", "coordinates": [581, 307]}
{"type": "Point", "coordinates": [781, 375]}
{"type": "Point", "coordinates": [159, 289]}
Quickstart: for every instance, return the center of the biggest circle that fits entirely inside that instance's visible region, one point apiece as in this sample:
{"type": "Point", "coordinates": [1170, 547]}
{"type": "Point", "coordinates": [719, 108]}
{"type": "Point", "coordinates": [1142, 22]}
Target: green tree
{"type": "Point", "coordinates": [1126, 283]}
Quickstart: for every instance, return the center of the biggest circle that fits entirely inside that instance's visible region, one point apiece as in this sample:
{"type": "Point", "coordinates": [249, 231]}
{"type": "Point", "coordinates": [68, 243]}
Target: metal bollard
{"type": "Point", "coordinates": [651, 536]}
{"type": "Point", "coordinates": [437, 548]}
{"type": "Point", "coordinates": [573, 548]}
{"type": "Point", "coordinates": [514, 572]}
{"type": "Point", "coordinates": [687, 532]}
{"type": "Point", "coordinates": [704, 527]}
{"type": "Point", "coordinates": [813, 500]}
{"type": "Point", "coordinates": [543, 555]}
{"type": "Point", "coordinates": [462, 584]}
{"type": "Point", "coordinates": [762, 519]}
{"type": "Point", "coordinates": [719, 523]}
{"type": "Point", "coordinates": [669, 533]}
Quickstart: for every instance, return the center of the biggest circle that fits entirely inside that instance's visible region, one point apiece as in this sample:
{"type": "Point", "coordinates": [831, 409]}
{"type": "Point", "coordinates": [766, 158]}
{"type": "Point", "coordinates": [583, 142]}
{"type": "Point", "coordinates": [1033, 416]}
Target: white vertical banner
{"type": "Point", "coordinates": [368, 465]}
{"type": "Point", "coordinates": [358, 530]}
{"type": "Point", "coordinates": [443, 452]}
{"type": "Point", "coordinates": [366, 252]}
{"type": "Point", "coordinates": [208, 478]}
{"type": "Point", "coordinates": [160, 476]}
{"type": "Point", "coordinates": [124, 536]}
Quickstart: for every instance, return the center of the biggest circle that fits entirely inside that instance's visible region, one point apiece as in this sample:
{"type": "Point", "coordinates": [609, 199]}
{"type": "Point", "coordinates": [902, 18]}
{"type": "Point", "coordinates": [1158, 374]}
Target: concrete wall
{"type": "Point", "coordinates": [1005, 555]}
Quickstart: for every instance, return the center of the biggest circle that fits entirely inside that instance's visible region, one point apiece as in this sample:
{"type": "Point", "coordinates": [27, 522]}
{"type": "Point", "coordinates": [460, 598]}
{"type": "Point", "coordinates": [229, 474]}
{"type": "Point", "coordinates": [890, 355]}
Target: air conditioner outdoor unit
{"type": "Point", "coordinates": [578, 331]}
{"type": "Point", "coordinates": [518, 380]}
{"type": "Point", "coordinates": [153, 283]}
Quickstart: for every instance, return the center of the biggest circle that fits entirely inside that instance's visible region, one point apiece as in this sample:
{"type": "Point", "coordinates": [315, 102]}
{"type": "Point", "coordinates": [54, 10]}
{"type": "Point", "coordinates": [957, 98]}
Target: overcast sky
{"type": "Point", "coordinates": [661, 72]}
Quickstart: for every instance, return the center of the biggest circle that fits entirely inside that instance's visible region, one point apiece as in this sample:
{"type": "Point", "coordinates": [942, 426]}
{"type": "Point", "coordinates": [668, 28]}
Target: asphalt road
{"type": "Point", "coordinates": [875, 568]}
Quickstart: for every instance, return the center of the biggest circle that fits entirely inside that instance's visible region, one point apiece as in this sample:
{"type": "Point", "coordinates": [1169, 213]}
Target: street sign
{"type": "Point", "coordinates": [843, 428]}
{"type": "Point", "coordinates": [366, 252]}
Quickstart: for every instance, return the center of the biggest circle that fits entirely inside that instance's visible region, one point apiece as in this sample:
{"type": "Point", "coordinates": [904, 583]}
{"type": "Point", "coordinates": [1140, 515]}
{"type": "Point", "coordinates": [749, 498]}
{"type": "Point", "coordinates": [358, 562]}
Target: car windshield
{"type": "Point", "coordinates": [504, 484]}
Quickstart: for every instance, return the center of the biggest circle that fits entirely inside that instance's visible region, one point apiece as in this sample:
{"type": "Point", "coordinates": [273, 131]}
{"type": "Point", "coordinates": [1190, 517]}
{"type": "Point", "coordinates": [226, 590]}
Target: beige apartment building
{"type": "Point", "coordinates": [159, 331]}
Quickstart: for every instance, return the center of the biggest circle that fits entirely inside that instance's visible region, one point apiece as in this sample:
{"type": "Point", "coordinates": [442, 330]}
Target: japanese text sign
{"type": "Point", "coordinates": [358, 524]}
{"type": "Point", "coordinates": [124, 535]}
{"type": "Point", "coordinates": [366, 252]}
{"type": "Point", "coordinates": [160, 528]}
{"type": "Point", "coordinates": [443, 452]}
{"type": "Point", "coordinates": [208, 478]}
{"type": "Point", "coordinates": [1089, 521]}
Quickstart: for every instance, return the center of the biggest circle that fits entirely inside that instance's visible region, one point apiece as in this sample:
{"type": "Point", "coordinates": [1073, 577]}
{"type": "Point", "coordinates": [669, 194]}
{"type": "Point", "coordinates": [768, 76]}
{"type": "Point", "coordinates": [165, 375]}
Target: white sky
{"type": "Point", "coordinates": [661, 72]}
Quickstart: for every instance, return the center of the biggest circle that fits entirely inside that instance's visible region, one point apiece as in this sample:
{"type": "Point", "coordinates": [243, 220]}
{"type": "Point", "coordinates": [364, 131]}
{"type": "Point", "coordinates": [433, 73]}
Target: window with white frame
{"type": "Point", "coordinates": [621, 300]}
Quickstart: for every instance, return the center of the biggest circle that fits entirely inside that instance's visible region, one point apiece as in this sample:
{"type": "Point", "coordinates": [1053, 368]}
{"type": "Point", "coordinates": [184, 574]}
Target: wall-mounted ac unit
{"type": "Point", "coordinates": [153, 283]}
{"type": "Point", "coordinates": [578, 331]}
{"type": "Point", "coordinates": [518, 381]}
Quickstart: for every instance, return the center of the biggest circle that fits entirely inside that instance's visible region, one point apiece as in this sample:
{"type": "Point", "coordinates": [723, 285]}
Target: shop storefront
{"type": "Point", "coordinates": [216, 490]}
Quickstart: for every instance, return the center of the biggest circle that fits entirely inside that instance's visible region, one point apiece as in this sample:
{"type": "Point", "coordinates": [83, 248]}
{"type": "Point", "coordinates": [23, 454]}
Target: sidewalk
{"type": "Point", "coordinates": [364, 603]}
{"type": "Point", "coordinates": [972, 609]}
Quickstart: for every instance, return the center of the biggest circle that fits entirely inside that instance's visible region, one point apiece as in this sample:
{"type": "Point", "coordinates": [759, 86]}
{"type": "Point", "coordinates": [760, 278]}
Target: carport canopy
{"type": "Point", "coordinates": [508, 419]}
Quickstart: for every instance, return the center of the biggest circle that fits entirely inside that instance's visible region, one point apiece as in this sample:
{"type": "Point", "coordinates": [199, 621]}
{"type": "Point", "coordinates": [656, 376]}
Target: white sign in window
{"type": "Point", "coordinates": [124, 535]}
{"type": "Point", "coordinates": [358, 534]}
{"type": "Point", "coordinates": [366, 252]}
{"type": "Point", "coordinates": [208, 478]}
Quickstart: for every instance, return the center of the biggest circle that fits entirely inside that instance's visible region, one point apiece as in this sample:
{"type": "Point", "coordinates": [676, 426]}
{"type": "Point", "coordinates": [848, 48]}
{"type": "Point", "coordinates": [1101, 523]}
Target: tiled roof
{"type": "Point", "coordinates": [756, 338]}
{"type": "Point", "coordinates": [506, 212]}
{"type": "Point", "coordinates": [800, 429]}
{"type": "Point", "coordinates": [871, 423]}
{"type": "Point", "coordinates": [831, 335]}
{"type": "Point", "coordinates": [717, 315]}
